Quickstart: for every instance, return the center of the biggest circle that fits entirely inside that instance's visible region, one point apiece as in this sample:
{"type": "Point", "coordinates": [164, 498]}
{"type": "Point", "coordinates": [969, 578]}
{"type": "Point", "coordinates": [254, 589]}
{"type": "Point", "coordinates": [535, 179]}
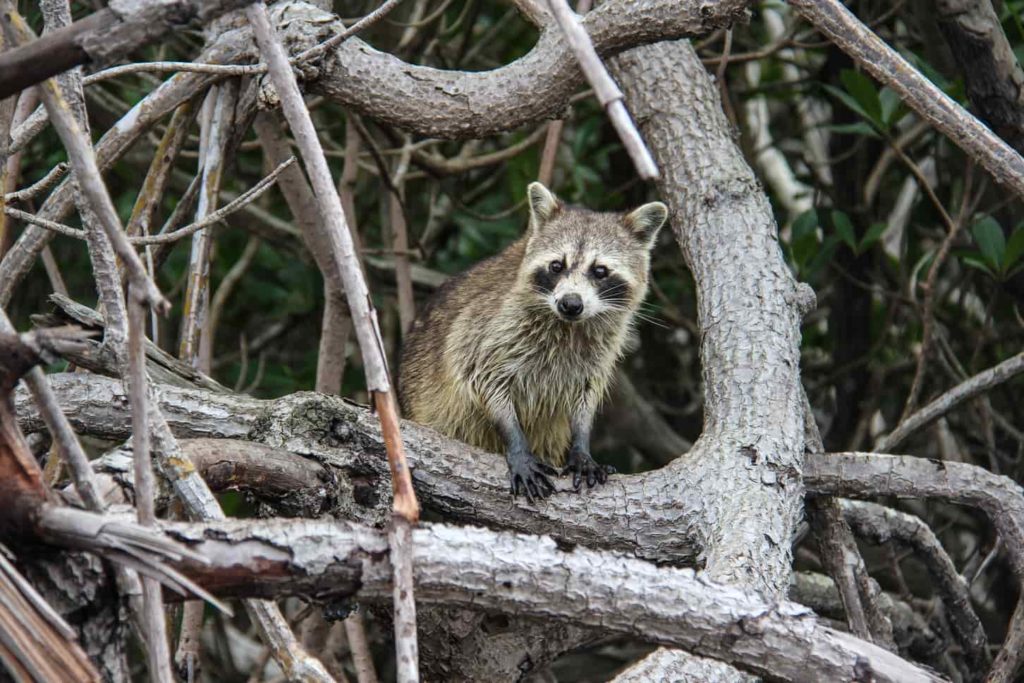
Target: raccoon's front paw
{"type": "Point", "coordinates": [529, 476]}
{"type": "Point", "coordinates": [583, 466]}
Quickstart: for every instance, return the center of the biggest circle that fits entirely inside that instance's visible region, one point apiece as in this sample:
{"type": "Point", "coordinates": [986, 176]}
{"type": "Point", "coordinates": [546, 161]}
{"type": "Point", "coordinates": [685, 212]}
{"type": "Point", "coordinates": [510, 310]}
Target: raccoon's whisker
{"type": "Point", "coordinates": [653, 321]}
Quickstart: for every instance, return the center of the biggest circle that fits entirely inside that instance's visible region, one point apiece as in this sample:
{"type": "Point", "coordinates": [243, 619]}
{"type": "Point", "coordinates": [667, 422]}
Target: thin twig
{"type": "Point", "coordinates": [217, 216]}
{"type": "Point", "coordinates": [335, 40]}
{"type": "Point", "coordinates": [928, 303]}
{"type": "Point", "coordinates": [400, 242]}
{"type": "Point", "coordinates": [40, 186]}
{"type": "Point", "coordinates": [605, 89]}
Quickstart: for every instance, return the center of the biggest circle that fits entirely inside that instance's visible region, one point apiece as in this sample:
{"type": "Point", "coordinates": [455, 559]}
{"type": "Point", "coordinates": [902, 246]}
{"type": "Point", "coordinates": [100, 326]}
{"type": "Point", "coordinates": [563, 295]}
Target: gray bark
{"type": "Point", "coordinates": [749, 307]}
{"type": "Point", "coordinates": [522, 575]}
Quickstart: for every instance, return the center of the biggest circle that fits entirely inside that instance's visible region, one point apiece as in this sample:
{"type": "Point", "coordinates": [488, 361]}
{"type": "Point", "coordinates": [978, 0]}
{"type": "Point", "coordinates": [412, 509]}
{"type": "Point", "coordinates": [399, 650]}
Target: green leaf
{"type": "Point", "coordinates": [892, 107]}
{"type": "Point", "coordinates": [859, 128]}
{"type": "Point", "coordinates": [806, 223]}
{"type": "Point", "coordinates": [865, 92]}
{"type": "Point", "coordinates": [844, 228]}
{"type": "Point", "coordinates": [873, 234]}
{"type": "Point", "coordinates": [976, 261]}
{"type": "Point", "coordinates": [821, 258]}
{"type": "Point", "coordinates": [803, 249]}
{"type": "Point", "coordinates": [1014, 249]}
{"type": "Point", "coordinates": [991, 241]}
{"type": "Point", "coordinates": [848, 100]}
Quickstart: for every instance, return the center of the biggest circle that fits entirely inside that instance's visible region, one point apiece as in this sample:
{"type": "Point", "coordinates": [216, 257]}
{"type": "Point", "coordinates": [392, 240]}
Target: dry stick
{"type": "Point", "coordinates": [186, 659]}
{"type": "Point", "coordinates": [157, 648]}
{"type": "Point", "coordinates": [553, 136]}
{"type": "Point", "coordinates": [195, 339]}
{"type": "Point", "coordinates": [833, 19]}
{"type": "Point", "coordinates": [968, 389]}
{"type": "Point", "coordinates": [40, 186]}
{"type": "Point", "coordinates": [362, 658]}
{"type": "Point", "coordinates": [607, 93]}
{"type": "Point", "coordinates": [159, 173]}
{"type": "Point", "coordinates": [550, 152]}
{"type": "Point", "coordinates": [406, 508]}
{"type": "Point", "coordinates": [87, 172]}
{"type": "Point", "coordinates": [196, 343]}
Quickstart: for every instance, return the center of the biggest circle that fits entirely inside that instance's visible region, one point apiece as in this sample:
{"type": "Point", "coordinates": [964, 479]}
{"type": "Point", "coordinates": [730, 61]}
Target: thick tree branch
{"type": "Point", "coordinates": [531, 576]}
{"type": "Point", "coordinates": [456, 104]}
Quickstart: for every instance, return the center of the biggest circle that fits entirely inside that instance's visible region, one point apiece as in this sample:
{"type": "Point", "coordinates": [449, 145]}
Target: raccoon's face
{"type": "Point", "coordinates": [586, 265]}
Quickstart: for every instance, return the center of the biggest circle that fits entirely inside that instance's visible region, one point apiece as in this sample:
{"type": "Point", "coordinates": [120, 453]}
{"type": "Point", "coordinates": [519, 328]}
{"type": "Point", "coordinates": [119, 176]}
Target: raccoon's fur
{"type": "Point", "coordinates": [516, 353]}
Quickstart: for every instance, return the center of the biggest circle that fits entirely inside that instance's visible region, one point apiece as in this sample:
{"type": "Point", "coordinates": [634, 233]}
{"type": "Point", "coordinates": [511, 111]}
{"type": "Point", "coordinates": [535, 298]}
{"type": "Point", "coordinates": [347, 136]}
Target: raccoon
{"type": "Point", "coordinates": [516, 353]}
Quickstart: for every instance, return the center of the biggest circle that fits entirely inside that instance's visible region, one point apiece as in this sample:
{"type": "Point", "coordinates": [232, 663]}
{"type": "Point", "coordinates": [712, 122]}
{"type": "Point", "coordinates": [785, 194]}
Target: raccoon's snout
{"type": "Point", "coordinates": [570, 306]}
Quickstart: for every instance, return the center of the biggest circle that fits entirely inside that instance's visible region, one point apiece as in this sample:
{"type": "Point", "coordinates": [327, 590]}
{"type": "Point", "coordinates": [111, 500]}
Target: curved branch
{"type": "Point", "coordinates": [459, 104]}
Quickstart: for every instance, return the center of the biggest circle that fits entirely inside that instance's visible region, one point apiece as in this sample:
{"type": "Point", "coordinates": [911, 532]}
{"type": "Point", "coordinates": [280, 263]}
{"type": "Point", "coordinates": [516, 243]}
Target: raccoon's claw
{"type": "Point", "coordinates": [528, 476]}
{"type": "Point", "coordinates": [583, 466]}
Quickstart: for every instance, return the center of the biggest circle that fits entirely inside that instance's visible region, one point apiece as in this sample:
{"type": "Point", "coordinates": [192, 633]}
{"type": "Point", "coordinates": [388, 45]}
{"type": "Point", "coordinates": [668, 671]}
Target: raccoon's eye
{"type": "Point", "coordinates": [556, 266]}
{"type": "Point", "coordinates": [600, 272]}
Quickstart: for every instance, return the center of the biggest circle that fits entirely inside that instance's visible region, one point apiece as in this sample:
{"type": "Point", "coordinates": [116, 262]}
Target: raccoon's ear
{"type": "Point", "coordinates": [543, 204]}
{"type": "Point", "coordinates": [646, 221]}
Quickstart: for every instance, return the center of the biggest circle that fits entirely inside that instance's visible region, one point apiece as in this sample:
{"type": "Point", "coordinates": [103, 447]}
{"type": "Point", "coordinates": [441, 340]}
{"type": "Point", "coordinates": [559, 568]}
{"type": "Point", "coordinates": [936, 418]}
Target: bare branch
{"type": "Point", "coordinates": [949, 400]}
{"type": "Point", "coordinates": [157, 647]}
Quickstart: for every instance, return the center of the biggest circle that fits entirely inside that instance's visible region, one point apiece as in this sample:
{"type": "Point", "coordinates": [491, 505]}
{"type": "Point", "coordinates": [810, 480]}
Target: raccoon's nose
{"type": "Point", "coordinates": [570, 305]}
